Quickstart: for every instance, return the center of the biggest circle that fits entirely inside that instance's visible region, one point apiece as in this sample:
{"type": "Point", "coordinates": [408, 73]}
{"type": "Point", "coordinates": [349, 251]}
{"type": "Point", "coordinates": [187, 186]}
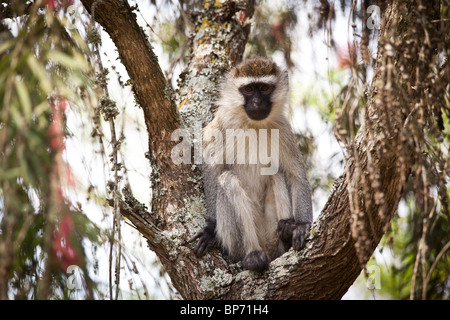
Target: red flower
{"type": "Point", "coordinates": [62, 245]}
{"type": "Point", "coordinates": [346, 56]}
{"type": "Point", "coordinates": [241, 16]}
{"type": "Point", "coordinates": [56, 129]}
{"type": "Point", "coordinates": [55, 5]}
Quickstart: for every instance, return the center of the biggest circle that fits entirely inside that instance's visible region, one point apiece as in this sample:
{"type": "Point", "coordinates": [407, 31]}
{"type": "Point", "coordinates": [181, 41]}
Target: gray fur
{"type": "Point", "coordinates": [254, 216]}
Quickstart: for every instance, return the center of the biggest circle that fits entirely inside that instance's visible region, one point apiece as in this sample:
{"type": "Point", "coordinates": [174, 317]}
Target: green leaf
{"type": "Point", "coordinates": [11, 174]}
{"type": "Point", "coordinates": [39, 71]}
{"type": "Point", "coordinates": [73, 62]}
{"type": "Point", "coordinates": [24, 97]}
{"type": "Point", "coordinates": [6, 45]}
{"type": "Point", "coordinates": [17, 118]}
{"type": "Point", "coordinates": [40, 109]}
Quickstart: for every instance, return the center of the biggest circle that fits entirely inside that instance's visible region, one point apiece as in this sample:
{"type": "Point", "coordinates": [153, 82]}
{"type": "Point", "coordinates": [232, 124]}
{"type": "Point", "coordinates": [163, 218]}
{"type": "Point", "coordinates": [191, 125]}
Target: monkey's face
{"type": "Point", "coordinates": [257, 97]}
{"type": "Point", "coordinates": [253, 93]}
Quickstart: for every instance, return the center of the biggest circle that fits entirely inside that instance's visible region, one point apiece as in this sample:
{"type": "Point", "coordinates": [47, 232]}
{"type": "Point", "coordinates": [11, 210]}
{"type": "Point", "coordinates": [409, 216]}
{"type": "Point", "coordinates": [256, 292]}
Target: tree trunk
{"type": "Point", "coordinates": [341, 240]}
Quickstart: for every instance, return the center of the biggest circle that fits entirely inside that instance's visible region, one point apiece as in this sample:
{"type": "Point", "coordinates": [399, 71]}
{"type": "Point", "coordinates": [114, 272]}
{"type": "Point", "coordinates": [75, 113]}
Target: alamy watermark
{"type": "Point", "coordinates": [74, 281]}
{"type": "Point", "coordinates": [374, 21]}
{"type": "Point", "coordinates": [236, 146]}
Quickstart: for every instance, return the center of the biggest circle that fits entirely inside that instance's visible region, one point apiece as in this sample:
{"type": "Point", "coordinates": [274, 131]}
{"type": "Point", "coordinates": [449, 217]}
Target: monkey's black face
{"type": "Point", "coordinates": [257, 99]}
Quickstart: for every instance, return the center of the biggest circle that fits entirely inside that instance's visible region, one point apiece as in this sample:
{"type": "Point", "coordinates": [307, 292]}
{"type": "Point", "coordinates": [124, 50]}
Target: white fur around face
{"type": "Point", "coordinates": [231, 101]}
{"type": "Point", "coordinates": [242, 81]}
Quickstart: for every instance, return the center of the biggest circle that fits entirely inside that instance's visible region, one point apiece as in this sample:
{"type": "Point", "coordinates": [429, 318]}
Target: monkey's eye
{"type": "Point", "coordinates": [248, 89]}
{"type": "Point", "coordinates": [265, 88]}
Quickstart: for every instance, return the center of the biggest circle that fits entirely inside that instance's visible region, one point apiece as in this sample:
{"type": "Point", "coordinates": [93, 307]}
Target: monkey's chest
{"type": "Point", "coordinates": [254, 183]}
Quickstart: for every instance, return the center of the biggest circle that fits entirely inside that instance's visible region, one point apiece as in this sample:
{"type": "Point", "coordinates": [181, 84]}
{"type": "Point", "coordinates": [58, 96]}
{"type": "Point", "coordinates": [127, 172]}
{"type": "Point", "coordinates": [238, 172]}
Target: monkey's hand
{"type": "Point", "coordinates": [293, 233]}
{"type": "Point", "coordinates": [206, 237]}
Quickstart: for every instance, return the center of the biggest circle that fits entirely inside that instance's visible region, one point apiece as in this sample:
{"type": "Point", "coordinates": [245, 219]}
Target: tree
{"type": "Point", "coordinates": [385, 130]}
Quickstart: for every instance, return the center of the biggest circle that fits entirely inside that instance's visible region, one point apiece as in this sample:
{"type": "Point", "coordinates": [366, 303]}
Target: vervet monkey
{"type": "Point", "coordinates": [253, 217]}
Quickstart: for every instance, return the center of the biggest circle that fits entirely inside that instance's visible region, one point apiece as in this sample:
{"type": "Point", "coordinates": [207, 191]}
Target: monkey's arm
{"type": "Point", "coordinates": [207, 236]}
{"type": "Point", "coordinates": [295, 230]}
{"type": "Point", "coordinates": [301, 197]}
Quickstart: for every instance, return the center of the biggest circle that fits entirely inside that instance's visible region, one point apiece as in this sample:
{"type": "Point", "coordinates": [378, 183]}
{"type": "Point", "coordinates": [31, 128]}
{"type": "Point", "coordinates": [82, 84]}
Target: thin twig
{"type": "Point", "coordinates": [115, 169]}
{"type": "Point", "coordinates": [433, 266]}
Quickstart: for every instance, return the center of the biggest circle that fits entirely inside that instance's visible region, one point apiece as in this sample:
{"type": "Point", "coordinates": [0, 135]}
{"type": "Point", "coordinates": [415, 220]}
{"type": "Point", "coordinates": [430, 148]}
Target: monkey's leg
{"type": "Point", "coordinates": [295, 230]}
{"type": "Point", "coordinates": [236, 228]}
{"type": "Point", "coordinates": [277, 207]}
{"type": "Point", "coordinates": [207, 236]}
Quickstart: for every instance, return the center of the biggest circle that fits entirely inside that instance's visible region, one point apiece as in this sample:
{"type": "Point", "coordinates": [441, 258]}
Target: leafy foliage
{"type": "Point", "coordinates": [419, 237]}
{"type": "Point", "coordinates": [44, 71]}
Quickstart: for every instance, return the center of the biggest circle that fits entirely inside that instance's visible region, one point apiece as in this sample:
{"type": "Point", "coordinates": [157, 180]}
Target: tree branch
{"type": "Point", "coordinates": [156, 100]}
{"type": "Point", "coordinates": [219, 43]}
{"type": "Point", "coordinates": [332, 258]}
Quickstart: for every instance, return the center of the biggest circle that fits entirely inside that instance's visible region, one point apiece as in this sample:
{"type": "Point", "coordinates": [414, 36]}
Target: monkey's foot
{"type": "Point", "coordinates": [256, 261]}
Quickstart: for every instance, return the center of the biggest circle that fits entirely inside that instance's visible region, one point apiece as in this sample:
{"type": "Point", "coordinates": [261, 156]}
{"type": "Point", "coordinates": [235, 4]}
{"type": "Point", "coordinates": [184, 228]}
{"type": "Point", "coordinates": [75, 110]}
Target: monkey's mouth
{"type": "Point", "coordinates": [257, 114]}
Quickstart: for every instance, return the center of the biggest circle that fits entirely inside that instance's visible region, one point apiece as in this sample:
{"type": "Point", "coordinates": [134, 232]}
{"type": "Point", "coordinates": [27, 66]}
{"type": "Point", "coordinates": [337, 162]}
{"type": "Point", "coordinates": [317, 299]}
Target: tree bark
{"type": "Point", "coordinates": [156, 99]}
{"type": "Point", "coordinates": [334, 253]}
